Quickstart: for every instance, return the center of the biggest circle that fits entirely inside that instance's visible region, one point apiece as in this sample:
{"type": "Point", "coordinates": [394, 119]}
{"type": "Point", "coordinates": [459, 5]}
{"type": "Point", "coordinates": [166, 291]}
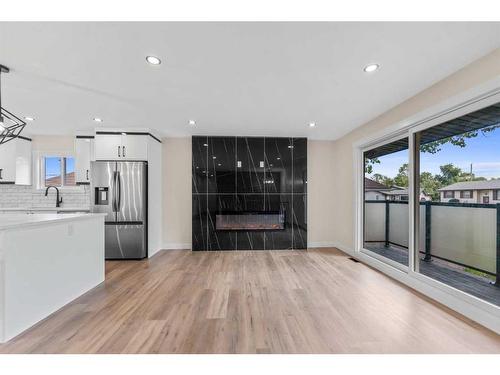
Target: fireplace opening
{"type": "Point", "coordinates": [250, 220]}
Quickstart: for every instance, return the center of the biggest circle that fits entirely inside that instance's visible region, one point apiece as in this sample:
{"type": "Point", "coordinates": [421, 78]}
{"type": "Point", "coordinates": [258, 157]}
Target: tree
{"type": "Point", "coordinates": [369, 162]}
{"type": "Point", "coordinates": [430, 184]}
{"type": "Point", "coordinates": [401, 178]}
{"type": "Point", "coordinates": [387, 181]}
{"type": "Point", "coordinates": [449, 174]}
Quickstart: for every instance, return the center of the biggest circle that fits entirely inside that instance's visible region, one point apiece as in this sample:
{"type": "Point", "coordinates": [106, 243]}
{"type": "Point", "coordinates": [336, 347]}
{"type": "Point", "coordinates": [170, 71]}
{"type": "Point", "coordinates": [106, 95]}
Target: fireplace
{"type": "Point", "coordinates": [249, 193]}
{"type": "Point", "coordinates": [250, 220]}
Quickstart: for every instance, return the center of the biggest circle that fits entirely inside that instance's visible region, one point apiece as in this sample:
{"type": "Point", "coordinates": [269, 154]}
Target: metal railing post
{"type": "Point", "coordinates": [386, 223]}
{"type": "Point", "coordinates": [497, 280]}
{"type": "Point", "coordinates": [427, 257]}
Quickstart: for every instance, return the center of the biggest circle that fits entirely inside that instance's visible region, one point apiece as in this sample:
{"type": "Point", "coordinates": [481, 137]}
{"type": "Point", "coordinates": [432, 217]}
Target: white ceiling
{"type": "Point", "coordinates": [232, 78]}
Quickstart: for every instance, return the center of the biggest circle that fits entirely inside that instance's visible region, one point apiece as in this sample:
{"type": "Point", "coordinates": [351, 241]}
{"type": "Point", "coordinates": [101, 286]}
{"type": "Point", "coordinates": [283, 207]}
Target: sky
{"type": "Point", "coordinates": [53, 166]}
{"type": "Point", "coordinates": [483, 152]}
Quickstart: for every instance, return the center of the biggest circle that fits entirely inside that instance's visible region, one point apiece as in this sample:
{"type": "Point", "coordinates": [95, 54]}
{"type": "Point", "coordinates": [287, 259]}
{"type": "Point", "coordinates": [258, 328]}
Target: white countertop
{"type": "Point", "coordinates": [55, 209]}
{"type": "Point", "coordinates": [17, 220]}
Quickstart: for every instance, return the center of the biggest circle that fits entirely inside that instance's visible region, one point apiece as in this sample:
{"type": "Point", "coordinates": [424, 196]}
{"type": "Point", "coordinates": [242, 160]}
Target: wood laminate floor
{"type": "Point", "coordinates": [315, 301]}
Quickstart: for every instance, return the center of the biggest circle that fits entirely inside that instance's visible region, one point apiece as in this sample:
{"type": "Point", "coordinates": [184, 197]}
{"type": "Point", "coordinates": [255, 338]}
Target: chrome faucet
{"type": "Point", "coordinates": [58, 201]}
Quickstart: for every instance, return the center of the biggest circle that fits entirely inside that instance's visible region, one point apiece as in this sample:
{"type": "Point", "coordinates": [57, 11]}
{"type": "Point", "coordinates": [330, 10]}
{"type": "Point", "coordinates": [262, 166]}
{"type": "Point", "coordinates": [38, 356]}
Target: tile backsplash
{"type": "Point", "coordinates": [27, 196]}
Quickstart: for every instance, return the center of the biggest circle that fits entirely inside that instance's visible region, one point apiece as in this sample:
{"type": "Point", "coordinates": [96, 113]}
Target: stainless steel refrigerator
{"type": "Point", "coordinates": [119, 189]}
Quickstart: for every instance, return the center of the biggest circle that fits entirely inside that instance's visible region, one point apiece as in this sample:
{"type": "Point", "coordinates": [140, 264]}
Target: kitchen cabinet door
{"type": "Point", "coordinates": [83, 153]}
{"type": "Point", "coordinates": [23, 162]}
{"type": "Point", "coordinates": [108, 147]}
{"type": "Point", "coordinates": [134, 147]}
{"type": "Point", "coordinates": [8, 162]}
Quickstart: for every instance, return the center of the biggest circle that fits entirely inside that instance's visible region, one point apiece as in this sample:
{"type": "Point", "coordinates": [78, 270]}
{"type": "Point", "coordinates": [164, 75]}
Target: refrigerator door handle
{"type": "Point", "coordinates": [119, 202]}
{"type": "Point", "coordinates": [115, 209]}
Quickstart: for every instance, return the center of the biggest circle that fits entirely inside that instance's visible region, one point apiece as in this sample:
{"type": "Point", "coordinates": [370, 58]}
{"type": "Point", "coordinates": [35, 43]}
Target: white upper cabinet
{"type": "Point", "coordinates": [121, 147]}
{"type": "Point", "coordinates": [8, 162]}
{"type": "Point", "coordinates": [134, 147]}
{"type": "Point", "coordinates": [23, 162]}
{"type": "Point", "coordinates": [84, 152]}
{"type": "Point", "coordinates": [108, 147]}
{"type": "Point", "coordinates": [15, 162]}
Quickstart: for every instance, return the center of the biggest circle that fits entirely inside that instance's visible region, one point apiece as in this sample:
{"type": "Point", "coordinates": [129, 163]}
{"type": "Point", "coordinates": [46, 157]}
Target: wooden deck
{"type": "Point", "coordinates": [446, 273]}
{"type": "Point", "coordinates": [315, 301]}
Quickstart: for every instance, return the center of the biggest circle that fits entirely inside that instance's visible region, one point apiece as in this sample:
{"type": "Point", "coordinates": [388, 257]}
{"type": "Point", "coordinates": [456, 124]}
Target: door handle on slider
{"type": "Point", "coordinates": [119, 152]}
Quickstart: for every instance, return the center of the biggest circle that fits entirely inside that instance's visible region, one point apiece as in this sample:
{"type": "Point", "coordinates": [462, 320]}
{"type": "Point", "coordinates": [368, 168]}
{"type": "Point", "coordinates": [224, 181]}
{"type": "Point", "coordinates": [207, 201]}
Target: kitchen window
{"type": "Point", "coordinates": [57, 171]}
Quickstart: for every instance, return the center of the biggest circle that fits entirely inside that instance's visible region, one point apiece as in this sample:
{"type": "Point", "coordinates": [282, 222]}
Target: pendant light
{"type": "Point", "coordinates": [11, 126]}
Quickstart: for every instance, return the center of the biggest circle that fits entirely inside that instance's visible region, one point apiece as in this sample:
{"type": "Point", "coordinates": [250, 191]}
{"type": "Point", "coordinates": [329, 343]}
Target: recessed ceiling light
{"type": "Point", "coordinates": [214, 157]}
{"type": "Point", "coordinates": [205, 144]}
{"type": "Point", "coordinates": [312, 124]}
{"type": "Point", "coordinates": [97, 119]}
{"type": "Point", "coordinates": [192, 122]}
{"type": "Point", "coordinates": [371, 68]}
{"type": "Point", "coordinates": [153, 60]}
{"type": "Point", "coordinates": [28, 118]}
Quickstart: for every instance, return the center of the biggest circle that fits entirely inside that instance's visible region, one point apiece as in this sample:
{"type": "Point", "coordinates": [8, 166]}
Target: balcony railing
{"type": "Point", "coordinates": [466, 234]}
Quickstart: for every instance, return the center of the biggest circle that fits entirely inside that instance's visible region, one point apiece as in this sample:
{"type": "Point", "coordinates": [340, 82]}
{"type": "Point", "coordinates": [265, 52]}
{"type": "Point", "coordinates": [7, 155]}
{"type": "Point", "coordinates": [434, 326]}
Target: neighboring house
{"type": "Point", "coordinates": [374, 191]}
{"type": "Point", "coordinates": [377, 191]}
{"type": "Point", "coordinates": [487, 192]}
{"type": "Point", "coordinates": [401, 194]}
{"type": "Point", "coordinates": [56, 180]}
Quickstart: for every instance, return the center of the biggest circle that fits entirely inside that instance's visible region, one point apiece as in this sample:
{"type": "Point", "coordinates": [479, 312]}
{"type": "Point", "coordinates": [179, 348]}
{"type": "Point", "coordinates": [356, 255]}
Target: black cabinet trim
{"type": "Point", "coordinates": [128, 133]}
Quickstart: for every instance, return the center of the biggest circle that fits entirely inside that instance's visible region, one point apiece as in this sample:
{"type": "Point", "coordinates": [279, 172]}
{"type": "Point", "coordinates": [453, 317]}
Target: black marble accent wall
{"type": "Point", "coordinates": [249, 175]}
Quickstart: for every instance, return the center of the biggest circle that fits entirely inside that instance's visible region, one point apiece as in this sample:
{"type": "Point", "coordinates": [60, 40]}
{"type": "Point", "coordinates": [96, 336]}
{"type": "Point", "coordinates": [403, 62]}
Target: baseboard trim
{"type": "Point", "coordinates": [321, 244]}
{"type": "Point", "coordinates": [177, 246]}
{"type": "Point", "coordinates": [488, 316]}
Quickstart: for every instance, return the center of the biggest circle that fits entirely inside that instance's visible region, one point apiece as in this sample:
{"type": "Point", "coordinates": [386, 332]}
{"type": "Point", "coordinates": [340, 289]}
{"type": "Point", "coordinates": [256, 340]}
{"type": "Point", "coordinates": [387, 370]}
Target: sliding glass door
{"type": "Point", "coordinates": [385, 191]}
{"type": "Point", "coordinates": [459, 210]}
{"type": "Point", "coordinates": [446, 226]}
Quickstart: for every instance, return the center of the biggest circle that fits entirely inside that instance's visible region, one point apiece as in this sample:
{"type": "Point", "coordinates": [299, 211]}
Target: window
{"type": "Point", "coordinates": [466, 194]}
{"type": "Point", "coordinates": [496, 195]}
{"type": "Point", "coordinates": [457, 244]}
{"type": "Point", "coordinates": [58, 171]}
{"type": "Point", "coordinates": [385, 233]}
{"type": "Point", "coordinates": [449, 194]}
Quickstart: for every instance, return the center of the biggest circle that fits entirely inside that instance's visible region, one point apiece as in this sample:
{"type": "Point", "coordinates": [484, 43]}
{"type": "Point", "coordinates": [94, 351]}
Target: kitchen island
{"type": "Point", "coordinates": [46, 261]}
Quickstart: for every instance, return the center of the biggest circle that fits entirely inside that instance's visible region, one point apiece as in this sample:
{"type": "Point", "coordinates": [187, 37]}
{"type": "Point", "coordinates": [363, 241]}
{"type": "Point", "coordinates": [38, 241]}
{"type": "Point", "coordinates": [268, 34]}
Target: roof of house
{"type": "Point", "coordinates": [401, 191]}
{"type": "Point", "coordinates": [374, 185]}
{"type": "Point", "coordinates": [397, 192]}
{"type": "Point", "coordinates": [56, 180]}
{"type": "Point", "coordinates": [473, 185]}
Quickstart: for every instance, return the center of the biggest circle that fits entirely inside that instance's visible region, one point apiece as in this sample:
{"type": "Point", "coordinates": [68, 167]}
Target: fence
{"type": "Point", "coordinates": [466, 234]}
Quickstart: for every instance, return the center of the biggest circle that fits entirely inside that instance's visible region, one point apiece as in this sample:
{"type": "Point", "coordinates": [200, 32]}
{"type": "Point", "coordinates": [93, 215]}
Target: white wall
{"type": "Point", "coordinates": [342, 225]}
{"type": "Point", "coordinates": [177, 212]}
